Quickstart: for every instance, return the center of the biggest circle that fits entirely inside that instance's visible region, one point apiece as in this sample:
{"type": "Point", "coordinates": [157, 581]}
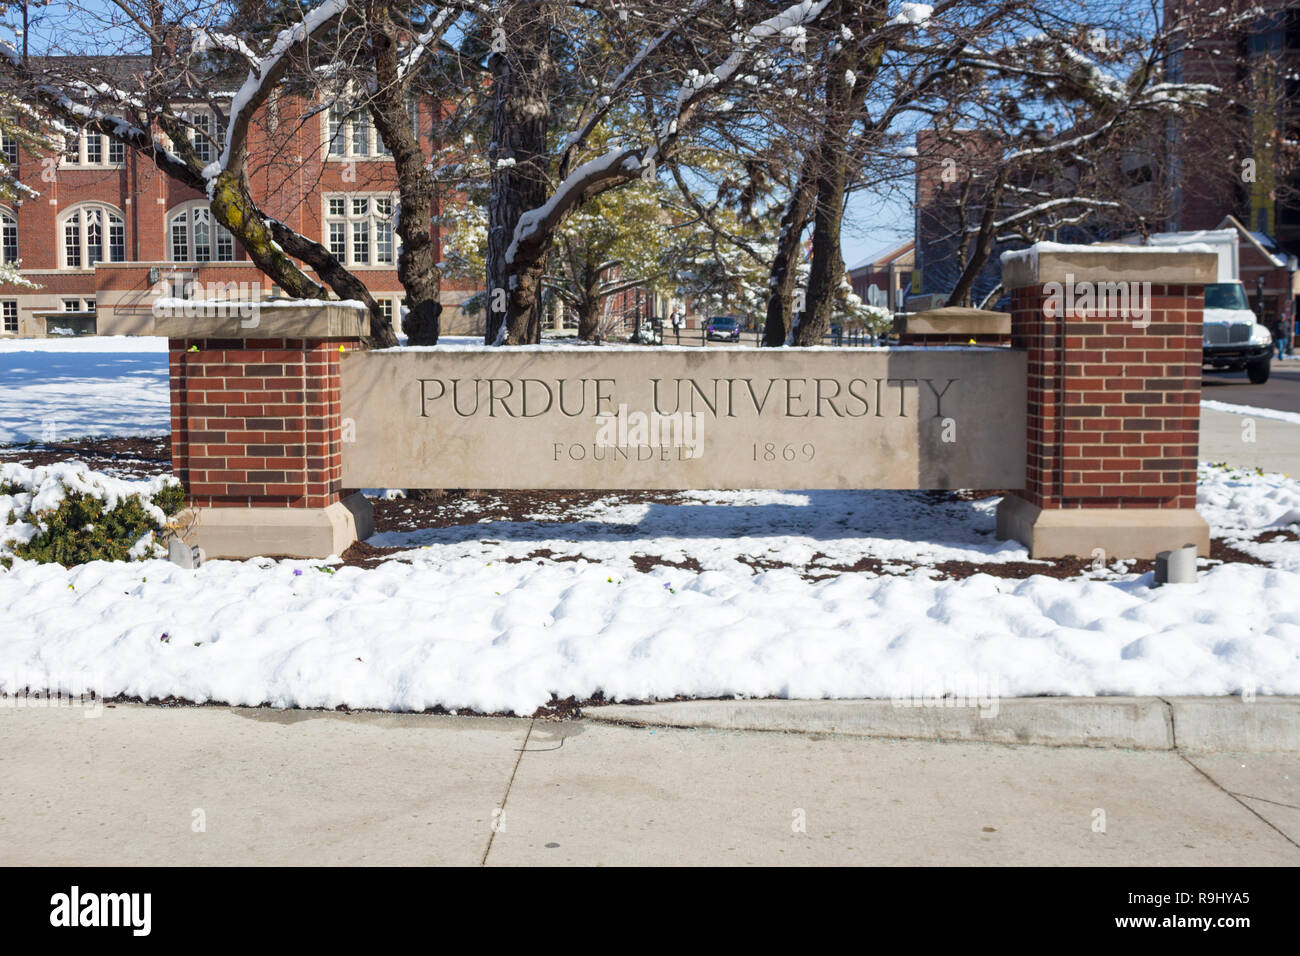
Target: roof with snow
{"type": "Point", "coordinates": [884, 257]}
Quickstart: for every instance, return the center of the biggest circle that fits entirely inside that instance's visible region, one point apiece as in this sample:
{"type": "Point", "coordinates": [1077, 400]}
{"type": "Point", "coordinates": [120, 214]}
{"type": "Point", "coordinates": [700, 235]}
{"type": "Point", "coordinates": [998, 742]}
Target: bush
{"type": "Point", "coordinates": [68, 514]}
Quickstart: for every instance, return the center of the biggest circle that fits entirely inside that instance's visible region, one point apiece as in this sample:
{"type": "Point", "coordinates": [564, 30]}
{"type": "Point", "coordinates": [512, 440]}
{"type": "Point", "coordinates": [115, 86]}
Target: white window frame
{"type": "Point", "coordinates": [9, 316]}
{"type": "Point", "coordinates": [82, 212]}
{"type": "Point", "coordinates": [206, 139]}
{"type": "Point", "coordinates": [9, 150]}
{"type": "Point", "coordinates": [352, 230]}
{"type": "Point", "coordinates": [82, 160]}
{"type": "Point", "coordinates": [221, 244]}
{"type": "Point", "coordinates": [342, 124]}
{"type": "Point", "coordinates": [8, 229]}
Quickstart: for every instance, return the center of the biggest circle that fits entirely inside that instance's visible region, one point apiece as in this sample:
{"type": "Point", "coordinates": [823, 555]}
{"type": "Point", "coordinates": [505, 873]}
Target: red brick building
{"type": "Point", "coordinates": [108, 228]}
{"type": "Point", "coordinates": [890, 273]}
{"type": "Point", "coordinates": [1230, 162]}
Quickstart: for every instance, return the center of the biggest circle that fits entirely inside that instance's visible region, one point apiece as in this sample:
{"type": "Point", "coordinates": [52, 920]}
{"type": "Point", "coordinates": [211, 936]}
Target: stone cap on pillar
{"type": "Point", "coordinates": [1189, 264]}
{"type": "Point", "coordinates": [953, 320]}
{"type": "Point", "coordinates": [184, 319]}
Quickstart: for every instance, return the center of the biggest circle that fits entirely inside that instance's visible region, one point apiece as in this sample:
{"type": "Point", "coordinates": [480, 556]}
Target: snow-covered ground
{"type": "Point", "coordinates": [498, 615]}
{"type": "Point", "coordinates": [53, 389]}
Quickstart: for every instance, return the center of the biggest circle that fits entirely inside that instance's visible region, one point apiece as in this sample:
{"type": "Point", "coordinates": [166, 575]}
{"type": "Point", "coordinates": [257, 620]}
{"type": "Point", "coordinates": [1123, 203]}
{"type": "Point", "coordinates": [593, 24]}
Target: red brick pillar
{"type": "Point", "coordinates": [257, 431]}
{"type": "Point", "coordinates": [1113, 337]}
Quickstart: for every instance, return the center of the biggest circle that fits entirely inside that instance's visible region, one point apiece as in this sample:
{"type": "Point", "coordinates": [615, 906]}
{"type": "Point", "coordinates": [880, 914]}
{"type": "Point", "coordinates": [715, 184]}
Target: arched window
{"type": "Point", "coordinates": [194, 237]}
{"type": "Point", "coordinates": [92, 233]}
{"type": "Point", "coordinates": [8, 236]}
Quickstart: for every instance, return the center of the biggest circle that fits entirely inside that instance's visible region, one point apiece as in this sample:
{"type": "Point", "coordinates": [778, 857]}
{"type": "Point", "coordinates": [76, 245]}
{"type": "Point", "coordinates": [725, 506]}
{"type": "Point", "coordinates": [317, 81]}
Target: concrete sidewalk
{"type": "Point", "coordinates": [1276, 446]}
{"type": "Point", "coordinates": [218, 785]}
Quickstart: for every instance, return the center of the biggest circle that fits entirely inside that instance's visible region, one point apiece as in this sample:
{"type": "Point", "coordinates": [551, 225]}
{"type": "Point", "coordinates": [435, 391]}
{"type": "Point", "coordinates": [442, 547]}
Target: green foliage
{"type": "Point", "coordinates": [80, 529]}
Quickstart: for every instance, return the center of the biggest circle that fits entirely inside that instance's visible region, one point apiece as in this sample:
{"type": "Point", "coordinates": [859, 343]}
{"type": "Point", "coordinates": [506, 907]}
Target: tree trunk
{"type": "Point", "coordinates": [845, 101]}
{"type": "Point", "coordinates": [982, 247]}
{"type": "Point", "coordinates": [270, 244]}
{"type": "Point", "coordinates": [588, 317]}
{"type": "Point", "coordinates": [417, 267]}
{"type": "Point", "coordinates": [827, 269]}
{"type": "Point", "coordinates": [522, 78]}
{"type": "Point", "coordinates": [785, 263]}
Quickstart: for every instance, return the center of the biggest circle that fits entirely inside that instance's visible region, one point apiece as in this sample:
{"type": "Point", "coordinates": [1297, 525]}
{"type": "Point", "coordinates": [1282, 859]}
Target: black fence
{"type": "Point", "coordinates": [665, 334]}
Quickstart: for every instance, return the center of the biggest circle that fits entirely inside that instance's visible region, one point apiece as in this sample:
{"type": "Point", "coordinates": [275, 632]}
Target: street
{"type": "Point", "coordinates": [1281, 391]}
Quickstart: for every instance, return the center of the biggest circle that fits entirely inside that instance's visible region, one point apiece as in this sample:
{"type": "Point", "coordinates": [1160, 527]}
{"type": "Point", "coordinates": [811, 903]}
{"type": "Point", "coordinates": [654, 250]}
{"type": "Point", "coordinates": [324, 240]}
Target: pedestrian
{"type": "Point", "coordinates": [1285, 326]}
{"type": "Point", "coordinates": [677, 327]}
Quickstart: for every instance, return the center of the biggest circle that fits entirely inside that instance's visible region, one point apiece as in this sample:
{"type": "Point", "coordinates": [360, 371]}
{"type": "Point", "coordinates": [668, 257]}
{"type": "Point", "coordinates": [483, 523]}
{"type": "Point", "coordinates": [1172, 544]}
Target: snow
{"type": "Point", "coordinates": [1031, 254]}
{"type": "Point", "coordinates": [462, 627]}
{"type": "Point", "coordinates": [912, 14]}
{"type": "Point", "coordinates": [1274, 413]}
{"type": "Point", "coordinates": [55, 389]}
{"type": "Point", "coordinates": [694, 86]}
{"type": "Point", "coordinates": [479, 616]}
{"type": "Point", "coordinates": [27, 494]}
{"type": "Point", "coordinates": [248, 92]}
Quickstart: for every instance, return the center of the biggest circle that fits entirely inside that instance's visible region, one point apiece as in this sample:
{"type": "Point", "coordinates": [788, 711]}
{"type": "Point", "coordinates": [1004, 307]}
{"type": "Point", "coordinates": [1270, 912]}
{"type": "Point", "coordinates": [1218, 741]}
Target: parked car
{"type": "Point", "coordinates": [723, 327]}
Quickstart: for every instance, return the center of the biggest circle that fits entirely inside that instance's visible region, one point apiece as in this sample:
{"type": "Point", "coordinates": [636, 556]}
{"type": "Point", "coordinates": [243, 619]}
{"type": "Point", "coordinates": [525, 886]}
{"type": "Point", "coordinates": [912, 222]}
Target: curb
{"type": "Point", "coordinates": [1265, 724]}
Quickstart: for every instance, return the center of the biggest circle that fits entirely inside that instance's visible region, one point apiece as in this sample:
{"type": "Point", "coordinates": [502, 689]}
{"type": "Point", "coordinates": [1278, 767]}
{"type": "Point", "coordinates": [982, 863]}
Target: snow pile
{"type": "Point", "coordinates": [482, 618]}
{"type": "Point", "coordinates": [1235, 499]}
{"type": "Point", "coordinates": [495, 636]}
{"type": "Point", "coordinates": [29, 496]}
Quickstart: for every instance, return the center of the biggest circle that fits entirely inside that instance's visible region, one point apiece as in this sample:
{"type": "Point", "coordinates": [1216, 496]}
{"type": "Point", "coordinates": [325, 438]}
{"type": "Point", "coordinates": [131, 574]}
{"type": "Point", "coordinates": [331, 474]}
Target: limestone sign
{"type": "Point", "coordinates": [672, 419]}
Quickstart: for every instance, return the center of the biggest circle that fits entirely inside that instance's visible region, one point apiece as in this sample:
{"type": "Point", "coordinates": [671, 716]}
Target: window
{"type": "Point", "coordinates": [8, 237]}
{"type": "Point", "coordinates": [9, 314]}
{"type": "Point", "coordinates": [89, 149]}
{"type": "Point", "coordinates": [391, 309]}
{"type": "Point", "coordinates": [351, 135]}
{"type": "Point", "coordinates": [71, 305]}
{"type": "Point", "coordinates": [359, 230]}
{"type": "Point", "coordinates": [195, 237]}
{"type": "Point", "coordinates": [93, 233]}
{"type": "Point", "coordinates": [9, 150]}
{"type": "Point", "coordinates": [203, 135]}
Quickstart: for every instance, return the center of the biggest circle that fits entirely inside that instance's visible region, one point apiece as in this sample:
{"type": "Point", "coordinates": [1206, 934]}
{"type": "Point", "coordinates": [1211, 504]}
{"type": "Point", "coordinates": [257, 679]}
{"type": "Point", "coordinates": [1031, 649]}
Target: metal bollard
{"type": "Point", "coordinates": [1177, 566]}
{"type": "Point", "coordinates": [180, 553]}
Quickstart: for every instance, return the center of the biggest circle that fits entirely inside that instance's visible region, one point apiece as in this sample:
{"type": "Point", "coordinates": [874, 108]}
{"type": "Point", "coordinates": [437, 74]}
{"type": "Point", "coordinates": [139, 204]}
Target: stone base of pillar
{"type": "Point", "coordinates": [278, 532]}
{"type": "Point", "coordinates": [1118, 532]}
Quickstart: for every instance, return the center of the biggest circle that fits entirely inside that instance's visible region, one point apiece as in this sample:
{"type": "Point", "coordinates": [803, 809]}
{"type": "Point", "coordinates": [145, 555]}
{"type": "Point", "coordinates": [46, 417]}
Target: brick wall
{"type": "Point", "coordinates": [1114, 409]}
{"type": "Point", "coordinates": [257, 422]}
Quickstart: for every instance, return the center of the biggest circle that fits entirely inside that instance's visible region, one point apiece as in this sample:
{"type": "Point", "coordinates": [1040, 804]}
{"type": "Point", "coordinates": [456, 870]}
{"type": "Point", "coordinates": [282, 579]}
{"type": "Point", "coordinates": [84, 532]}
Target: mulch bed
{"type": "Point", "coordinates": [150, 456]}
{"type": "Point", "coordinates": [120, 457]}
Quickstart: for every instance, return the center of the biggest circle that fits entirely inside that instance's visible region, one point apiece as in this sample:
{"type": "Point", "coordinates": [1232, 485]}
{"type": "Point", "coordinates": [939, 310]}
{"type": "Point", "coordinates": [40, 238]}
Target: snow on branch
{"type": "Point", "coordinates": [622, 163]}
{"type": "Point", "coordinates": [420, 46]}
{"type": "Point", "coordinates": [265, 72]}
